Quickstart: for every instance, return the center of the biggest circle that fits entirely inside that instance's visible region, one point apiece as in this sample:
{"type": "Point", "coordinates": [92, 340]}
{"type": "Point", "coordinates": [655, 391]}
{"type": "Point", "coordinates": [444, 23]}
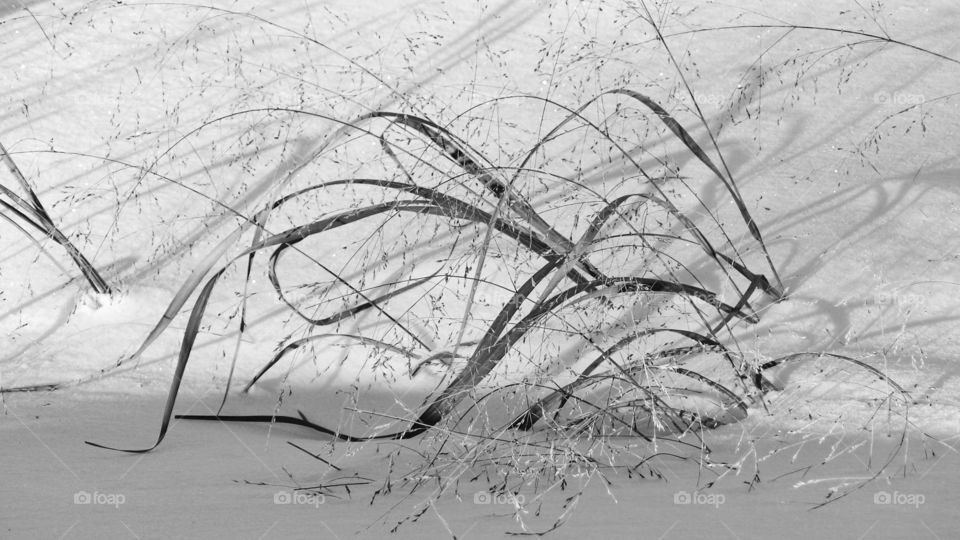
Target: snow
{"type": "Point", "coordinates": [852, 185]}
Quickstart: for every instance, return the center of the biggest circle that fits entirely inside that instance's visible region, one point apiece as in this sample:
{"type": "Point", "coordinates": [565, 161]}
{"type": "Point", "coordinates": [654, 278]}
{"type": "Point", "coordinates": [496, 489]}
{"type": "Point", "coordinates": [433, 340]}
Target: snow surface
{"type": "Point", "coordinates": [854, 188]}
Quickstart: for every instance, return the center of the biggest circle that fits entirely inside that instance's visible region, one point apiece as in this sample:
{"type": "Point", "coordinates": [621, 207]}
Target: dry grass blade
{"type": "Point", "coordinates": [36, 216]}
{"type": "Point", "coordinates": [189, 337]}
{"type": "Point", "coordinates": [292, 346]}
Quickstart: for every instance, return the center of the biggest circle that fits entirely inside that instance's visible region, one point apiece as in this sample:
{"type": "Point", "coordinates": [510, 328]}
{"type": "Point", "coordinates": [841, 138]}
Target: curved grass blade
{"type": "Point", "coordinates": [278, 419]}
{"type": "Point", "coordinates": [290, 347]}
{"type": "Point", "coordinates": [806, 355]}
{"type": "Point", "coordinates": [189, 337]}
{"type": "Point", "coordinates": [446, 141]}
{"type": "Point", "coordinates": [41, 220]}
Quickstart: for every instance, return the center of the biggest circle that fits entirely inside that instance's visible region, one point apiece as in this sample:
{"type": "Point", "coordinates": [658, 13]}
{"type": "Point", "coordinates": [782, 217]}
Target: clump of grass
{"type": "Point", "coordinates": [30, 211]}
{"type": "Point", "coordinates": [614, 320]}
{"type": "Point", "coordinates": [622, 286]}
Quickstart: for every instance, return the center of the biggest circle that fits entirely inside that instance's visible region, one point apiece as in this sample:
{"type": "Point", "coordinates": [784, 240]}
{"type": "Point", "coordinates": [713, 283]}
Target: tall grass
{"type": "Point", "coordinates": [621, 272]}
